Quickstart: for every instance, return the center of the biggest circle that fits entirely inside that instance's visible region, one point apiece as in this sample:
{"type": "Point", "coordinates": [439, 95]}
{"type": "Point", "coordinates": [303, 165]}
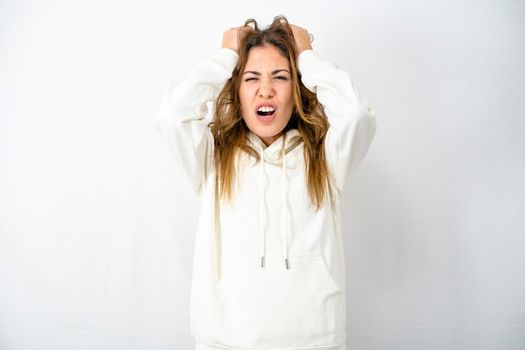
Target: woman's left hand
{"type": "Point", "coordinates": [302, 40]}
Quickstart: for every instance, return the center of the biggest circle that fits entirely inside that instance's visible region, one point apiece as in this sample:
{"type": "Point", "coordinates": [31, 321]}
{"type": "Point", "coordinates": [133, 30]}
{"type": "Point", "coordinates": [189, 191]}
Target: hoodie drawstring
{"type": "Point", "coordinates": [262, 212]}
{"type": "Point", "coordinates": [285, 210]}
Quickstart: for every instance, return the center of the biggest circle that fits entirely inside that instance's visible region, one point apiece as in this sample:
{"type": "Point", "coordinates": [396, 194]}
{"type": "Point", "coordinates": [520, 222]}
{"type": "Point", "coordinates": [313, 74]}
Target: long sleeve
{"type": "Point", "coordinates": [352, 121]}
{"type": "Point", "coordinates": [181, 120]}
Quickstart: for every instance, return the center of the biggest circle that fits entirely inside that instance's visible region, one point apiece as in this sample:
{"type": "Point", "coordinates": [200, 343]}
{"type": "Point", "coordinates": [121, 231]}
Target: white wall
{"type": "Point", "coordinates": [97, 222]}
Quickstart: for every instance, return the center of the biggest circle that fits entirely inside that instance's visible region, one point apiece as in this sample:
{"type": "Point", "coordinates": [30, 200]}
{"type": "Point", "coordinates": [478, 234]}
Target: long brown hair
{"type": "Point", "coordinates": [230, 131]}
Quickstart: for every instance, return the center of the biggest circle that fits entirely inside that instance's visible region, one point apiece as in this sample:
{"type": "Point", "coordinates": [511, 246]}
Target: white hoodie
{"type": "Point", "coordinates": [268, 271]}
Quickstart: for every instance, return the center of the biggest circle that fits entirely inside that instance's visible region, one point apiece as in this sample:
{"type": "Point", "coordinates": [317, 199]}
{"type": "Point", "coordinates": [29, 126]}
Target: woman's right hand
{"type": "Point", "coordinates": [230, 38]}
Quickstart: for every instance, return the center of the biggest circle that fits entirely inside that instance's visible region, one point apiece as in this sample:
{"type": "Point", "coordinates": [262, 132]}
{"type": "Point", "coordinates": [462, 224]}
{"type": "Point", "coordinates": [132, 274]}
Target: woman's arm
{"type": "Point", "coordinates": [181, 119]}
{"type": "Point", "coordinates": [352, 121]}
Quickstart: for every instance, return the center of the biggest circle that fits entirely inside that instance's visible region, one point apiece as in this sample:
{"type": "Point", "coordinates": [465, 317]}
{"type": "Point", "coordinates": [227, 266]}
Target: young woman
{"type": "Point", "coordinates": [288, 129]}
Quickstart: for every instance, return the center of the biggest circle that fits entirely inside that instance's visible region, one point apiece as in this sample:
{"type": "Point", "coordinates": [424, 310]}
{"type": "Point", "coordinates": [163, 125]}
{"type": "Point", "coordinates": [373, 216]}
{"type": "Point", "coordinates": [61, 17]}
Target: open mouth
{"type": "Point", "coordinates": [267, 111]}
{"type": "Point", "coordinates": [265, 114]}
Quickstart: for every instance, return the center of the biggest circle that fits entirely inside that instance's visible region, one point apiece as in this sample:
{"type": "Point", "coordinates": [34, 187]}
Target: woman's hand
{"type": "Point", "coordinates": [230, 38]}
{"type": "Point", "coordinates": [302, 40]}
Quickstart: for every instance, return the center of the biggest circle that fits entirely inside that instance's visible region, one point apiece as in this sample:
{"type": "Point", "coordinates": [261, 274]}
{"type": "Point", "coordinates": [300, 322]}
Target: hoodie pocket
{"type": "Point", "coordinates": [278, 307]}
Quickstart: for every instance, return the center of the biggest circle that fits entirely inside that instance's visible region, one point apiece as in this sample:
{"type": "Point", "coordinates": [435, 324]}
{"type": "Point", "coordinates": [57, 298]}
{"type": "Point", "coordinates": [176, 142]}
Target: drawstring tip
{"type": "Point", "coordinates": [262, 261]}
{"type": "Point", "coordinates": [286, 262]}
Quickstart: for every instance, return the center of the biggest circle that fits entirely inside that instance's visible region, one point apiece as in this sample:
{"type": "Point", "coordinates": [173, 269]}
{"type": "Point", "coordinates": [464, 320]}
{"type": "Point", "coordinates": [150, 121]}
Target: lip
{"type": "Point", "coordinates": [267, 119]}
{"type": "Point", "coordinates": [265, 105]}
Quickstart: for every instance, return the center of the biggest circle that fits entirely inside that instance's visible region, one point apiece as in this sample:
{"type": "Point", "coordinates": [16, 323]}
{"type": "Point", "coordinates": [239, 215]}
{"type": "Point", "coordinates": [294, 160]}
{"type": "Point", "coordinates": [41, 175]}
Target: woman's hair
{"type": "Point", "coordinates": [230, 131]}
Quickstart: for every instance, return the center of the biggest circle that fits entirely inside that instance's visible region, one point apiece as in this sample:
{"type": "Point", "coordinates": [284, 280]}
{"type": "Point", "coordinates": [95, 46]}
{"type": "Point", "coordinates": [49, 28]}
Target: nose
{"type": "Point", "coordinates": [265, 88]}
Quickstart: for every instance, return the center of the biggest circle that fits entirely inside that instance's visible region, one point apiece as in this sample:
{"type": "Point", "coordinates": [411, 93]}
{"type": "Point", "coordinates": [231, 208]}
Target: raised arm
{"type": "Point", "coordinates": [181, 120]}
{"type": "Point", "coordinates": [352, 121]}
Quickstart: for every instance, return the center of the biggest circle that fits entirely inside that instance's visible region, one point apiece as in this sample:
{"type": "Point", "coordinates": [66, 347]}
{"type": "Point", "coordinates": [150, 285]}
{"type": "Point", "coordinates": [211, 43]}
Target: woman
{"type": "Point", "coordinates": [288, 128]}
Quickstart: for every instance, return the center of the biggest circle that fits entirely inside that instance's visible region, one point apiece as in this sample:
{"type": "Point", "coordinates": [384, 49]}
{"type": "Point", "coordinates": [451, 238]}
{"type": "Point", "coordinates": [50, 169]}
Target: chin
{"type": "Point", "coordinates": [266, 131]}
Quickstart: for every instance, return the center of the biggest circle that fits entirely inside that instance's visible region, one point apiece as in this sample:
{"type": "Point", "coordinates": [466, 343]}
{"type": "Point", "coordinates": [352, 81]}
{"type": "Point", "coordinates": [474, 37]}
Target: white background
{"type": "Point", "coordinates": [97, 223]}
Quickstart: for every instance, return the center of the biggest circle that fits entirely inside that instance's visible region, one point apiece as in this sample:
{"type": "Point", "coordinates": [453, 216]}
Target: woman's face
{"type": "Point", "coordinates": [266, 81]}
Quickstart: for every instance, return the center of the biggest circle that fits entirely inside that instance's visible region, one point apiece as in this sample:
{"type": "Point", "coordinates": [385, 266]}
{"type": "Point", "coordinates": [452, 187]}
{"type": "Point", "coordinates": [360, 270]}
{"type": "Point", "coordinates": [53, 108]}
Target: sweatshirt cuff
{"type": "Point", "coordinates": [307, 60]}
{"type": "Point", "coordinates": [228, 56]}
{"type": "Point", "coordinates": [308, 64]}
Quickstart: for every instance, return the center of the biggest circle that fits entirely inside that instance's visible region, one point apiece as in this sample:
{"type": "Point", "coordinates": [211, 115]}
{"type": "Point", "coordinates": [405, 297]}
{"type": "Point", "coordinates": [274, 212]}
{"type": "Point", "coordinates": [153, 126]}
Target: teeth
{"type": "Point", "coordinates": [266, 109]}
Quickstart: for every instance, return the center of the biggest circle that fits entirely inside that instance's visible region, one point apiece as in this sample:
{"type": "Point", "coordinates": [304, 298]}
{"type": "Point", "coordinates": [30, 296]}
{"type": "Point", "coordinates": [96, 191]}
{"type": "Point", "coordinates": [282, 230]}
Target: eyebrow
{"type": "Point", "coordinates": [274, 72]}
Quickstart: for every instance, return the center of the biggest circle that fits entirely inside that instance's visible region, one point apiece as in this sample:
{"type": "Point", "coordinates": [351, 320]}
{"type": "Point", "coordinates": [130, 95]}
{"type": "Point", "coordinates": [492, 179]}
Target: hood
{"type": "Point", "coordinates": [276, 154]}
{"type": "Point", "coordinates": [273, 153]}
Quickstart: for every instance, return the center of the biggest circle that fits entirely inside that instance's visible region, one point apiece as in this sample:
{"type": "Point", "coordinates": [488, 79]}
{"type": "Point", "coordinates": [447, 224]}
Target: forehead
{"type": "Point", "coordinates": [266, 58]}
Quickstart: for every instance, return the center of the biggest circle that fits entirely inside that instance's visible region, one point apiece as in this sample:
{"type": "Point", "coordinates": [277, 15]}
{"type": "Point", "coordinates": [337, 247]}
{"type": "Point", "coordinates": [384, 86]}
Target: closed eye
{"type": "Point", "coordinates": [279, 77]}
